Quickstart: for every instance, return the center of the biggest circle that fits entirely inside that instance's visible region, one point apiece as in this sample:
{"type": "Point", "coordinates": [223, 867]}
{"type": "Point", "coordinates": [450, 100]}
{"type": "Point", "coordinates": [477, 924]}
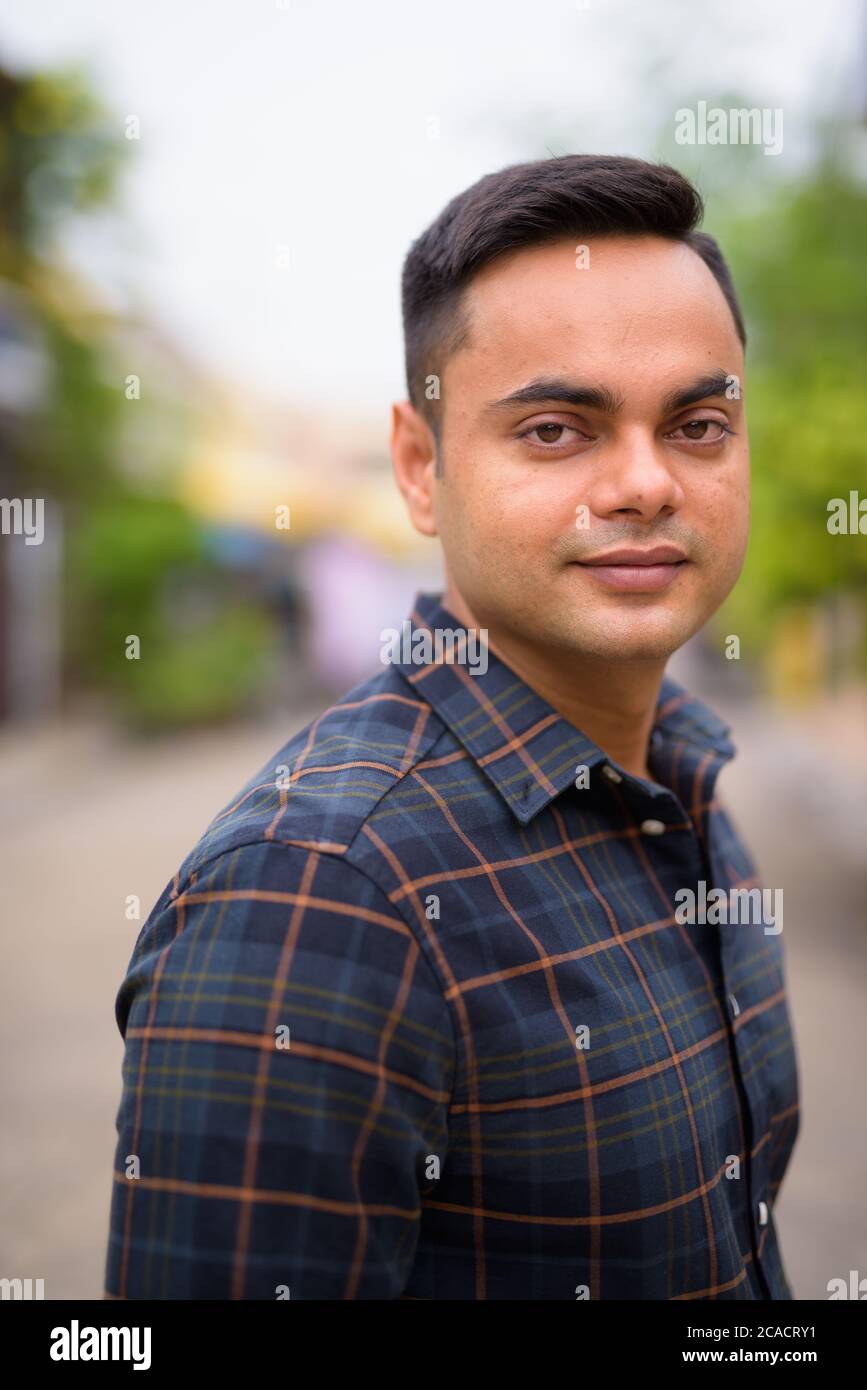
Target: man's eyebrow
{"type": "Point", "coordinates": [546, 389]}
{"type": "Point", "coordinates": [713, 384]}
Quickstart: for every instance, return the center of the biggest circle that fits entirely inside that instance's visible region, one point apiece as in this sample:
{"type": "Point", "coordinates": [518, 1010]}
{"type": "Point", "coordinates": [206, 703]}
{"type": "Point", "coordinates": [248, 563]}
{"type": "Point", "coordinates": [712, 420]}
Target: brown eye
{"type": "Point", "coordinates": [550, 435]}
{"type": "Point", "coordinates": [697, 431]}
{"type": "Point", "coordinates": [547, 438]}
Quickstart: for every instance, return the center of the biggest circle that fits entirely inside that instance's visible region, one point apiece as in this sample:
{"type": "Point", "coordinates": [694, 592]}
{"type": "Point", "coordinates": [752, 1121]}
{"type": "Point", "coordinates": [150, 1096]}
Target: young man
{"type": "Point", "coordinates": [421, 1015]}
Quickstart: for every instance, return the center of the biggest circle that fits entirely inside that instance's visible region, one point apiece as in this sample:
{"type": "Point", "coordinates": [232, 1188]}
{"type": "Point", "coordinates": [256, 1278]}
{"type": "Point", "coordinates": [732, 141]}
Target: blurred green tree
{"type": "Point", "coordinates": [134, 554]}
{"type": "Point", "coordinates": [798, 264]}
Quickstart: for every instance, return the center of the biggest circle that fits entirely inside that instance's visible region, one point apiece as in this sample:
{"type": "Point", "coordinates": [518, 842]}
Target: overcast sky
{"type": "Point", "coordinates": [302, 131]}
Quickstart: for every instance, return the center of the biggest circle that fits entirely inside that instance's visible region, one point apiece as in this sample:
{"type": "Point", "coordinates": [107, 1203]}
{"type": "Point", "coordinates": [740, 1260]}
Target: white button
{"type": "Point", "coordinates": [734, 1006]}
{"type": "Point", "coordinates": [608, 771]}
{"type": "Point", "coordinates": [653, 827]}
{"type": "Point", "coordinates": [763, 1213]}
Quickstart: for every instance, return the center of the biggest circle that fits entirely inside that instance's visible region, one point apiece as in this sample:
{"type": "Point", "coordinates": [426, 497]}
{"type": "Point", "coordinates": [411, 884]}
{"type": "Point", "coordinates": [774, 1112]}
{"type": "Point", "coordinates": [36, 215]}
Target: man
{"type": "Point", "coordinates": [420, 1015]}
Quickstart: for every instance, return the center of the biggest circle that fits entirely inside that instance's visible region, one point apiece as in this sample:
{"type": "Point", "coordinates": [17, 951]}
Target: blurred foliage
{"type": "Point", "coordinates": [134, 561]}
{"type": "Point", "coordinates": [59, 154]}
{"type": "Point", "coordinates": [798, 266]}
{"type": "Point", "coordinates": [71, 448]}
{"type": "Point", "coordinates": [143, 571]}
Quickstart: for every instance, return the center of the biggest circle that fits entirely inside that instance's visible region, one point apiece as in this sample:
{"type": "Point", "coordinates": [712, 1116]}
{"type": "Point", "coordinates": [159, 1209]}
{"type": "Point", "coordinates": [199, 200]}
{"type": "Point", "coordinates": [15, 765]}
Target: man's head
{"type": "Point", "coordinates": [575, 365]}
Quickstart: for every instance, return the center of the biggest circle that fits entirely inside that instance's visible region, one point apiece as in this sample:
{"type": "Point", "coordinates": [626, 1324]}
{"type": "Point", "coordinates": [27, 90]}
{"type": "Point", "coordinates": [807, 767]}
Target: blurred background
{"type": "Point", "coordinates": [203, 215]}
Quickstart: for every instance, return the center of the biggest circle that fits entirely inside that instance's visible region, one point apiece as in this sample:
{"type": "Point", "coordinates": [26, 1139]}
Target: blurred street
{"type": "Point", "coordinates": [88, 818]}
{"type": "Point", "coordinates": [797, 791]}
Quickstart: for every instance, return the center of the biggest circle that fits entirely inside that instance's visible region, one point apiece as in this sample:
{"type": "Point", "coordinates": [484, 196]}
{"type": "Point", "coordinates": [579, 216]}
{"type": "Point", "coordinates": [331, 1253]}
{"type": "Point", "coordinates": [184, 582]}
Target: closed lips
{"type": "Point", "coordinates": [636, 571]}
{"type": "Point", "coordinates": [661, 555]}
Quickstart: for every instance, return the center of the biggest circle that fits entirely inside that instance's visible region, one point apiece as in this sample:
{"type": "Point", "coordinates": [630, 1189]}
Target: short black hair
{"type": "Point", "coordinates": [579, 195]}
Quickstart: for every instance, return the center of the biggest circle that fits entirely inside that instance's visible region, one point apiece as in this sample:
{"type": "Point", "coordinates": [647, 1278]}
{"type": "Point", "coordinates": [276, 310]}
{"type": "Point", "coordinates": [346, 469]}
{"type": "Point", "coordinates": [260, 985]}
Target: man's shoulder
{"type": "Point", "coordinates": [319, 788]}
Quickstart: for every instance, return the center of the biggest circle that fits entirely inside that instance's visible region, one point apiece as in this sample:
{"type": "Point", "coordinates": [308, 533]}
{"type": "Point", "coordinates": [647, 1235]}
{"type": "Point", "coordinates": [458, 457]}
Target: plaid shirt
{"type": "Point", "coordinates": [416, 1019]}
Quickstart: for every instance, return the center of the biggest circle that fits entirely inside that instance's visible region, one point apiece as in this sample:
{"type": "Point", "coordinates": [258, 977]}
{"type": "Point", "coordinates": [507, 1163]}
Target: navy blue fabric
{"type": "Point", "coordinates": [415, 1019]}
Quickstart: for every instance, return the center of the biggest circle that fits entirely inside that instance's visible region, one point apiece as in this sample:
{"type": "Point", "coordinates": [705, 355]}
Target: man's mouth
{"type": "Point", "coordinates": [636, 570]}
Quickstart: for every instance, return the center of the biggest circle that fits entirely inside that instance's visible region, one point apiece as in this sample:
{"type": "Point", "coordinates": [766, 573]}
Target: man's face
{"type": "Point", "coordinates": [532, 490]}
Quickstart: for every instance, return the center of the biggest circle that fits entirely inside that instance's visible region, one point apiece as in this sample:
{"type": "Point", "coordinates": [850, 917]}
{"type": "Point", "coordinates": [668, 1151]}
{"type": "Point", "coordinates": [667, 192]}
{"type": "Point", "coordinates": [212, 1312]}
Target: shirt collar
{"type": "Point", "coordinates": [527, 750]}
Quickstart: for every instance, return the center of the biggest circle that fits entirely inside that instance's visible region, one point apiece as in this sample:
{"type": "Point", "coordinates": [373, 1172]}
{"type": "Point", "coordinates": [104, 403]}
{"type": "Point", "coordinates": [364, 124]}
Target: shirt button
{"type": "Point", "coordinates": [734, 1006]}
{"type": "Point", "coordinates": [608, 771]}
{"type": "Point", "coordinates": [763, 1213]}
{"type": "Point", "coordinates": [653, 827]}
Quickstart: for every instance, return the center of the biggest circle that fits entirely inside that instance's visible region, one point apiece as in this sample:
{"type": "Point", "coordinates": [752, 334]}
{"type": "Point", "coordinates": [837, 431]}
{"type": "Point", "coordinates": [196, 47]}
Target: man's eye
{"type": "Point", "coordinates": [551, 433]}
{"type": "Point", "coordinates": [698, 431]}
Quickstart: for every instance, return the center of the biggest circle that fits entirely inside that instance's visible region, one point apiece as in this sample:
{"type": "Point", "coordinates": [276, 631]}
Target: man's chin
{"type": "Point", "coordinates": [647, 636]}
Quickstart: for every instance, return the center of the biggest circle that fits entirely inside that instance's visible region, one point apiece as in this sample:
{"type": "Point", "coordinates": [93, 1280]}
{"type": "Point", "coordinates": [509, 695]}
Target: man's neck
{"type": "Point", "coordinates": [612, 702]}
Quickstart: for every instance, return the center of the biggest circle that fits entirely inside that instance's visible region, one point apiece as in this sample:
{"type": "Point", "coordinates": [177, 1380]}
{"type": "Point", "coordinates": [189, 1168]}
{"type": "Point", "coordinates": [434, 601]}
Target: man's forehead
{"type": "Point", "coordinates": [604, 292]}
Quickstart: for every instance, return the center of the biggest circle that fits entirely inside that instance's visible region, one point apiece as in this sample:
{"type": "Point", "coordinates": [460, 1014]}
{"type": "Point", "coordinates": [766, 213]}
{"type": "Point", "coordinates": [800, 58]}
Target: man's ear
{"type": "Point", "coordinates": [414, 456]}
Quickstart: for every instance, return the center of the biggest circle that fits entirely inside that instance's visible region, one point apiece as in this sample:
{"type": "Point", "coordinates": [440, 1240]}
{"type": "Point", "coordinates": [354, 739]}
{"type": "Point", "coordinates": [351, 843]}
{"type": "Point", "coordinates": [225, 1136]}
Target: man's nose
{"type": "Point", "coordinates": [635, 479]}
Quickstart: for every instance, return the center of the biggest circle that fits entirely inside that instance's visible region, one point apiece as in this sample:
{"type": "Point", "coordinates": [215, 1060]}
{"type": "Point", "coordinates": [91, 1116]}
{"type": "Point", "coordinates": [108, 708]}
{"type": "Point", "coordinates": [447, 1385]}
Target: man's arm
{"type": "Point", "coordinates": [288, 1066]}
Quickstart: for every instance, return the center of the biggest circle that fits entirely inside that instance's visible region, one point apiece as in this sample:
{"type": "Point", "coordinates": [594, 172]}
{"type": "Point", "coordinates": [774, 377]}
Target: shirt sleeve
{"type": "Point", "coordinates": [289, 1058]}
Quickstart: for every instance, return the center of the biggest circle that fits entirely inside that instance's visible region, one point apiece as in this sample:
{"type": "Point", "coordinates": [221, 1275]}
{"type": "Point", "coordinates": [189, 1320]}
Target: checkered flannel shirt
{"type": "Point", "coordinates": [416, 1019]}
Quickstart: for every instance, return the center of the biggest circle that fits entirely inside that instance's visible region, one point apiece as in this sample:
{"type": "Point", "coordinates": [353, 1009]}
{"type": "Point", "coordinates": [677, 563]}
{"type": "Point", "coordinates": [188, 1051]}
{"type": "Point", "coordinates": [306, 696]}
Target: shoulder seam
{"type": "Point", "coordinates": [421, 752]}
{"type": "Point", "coordinates": [429, 964]}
